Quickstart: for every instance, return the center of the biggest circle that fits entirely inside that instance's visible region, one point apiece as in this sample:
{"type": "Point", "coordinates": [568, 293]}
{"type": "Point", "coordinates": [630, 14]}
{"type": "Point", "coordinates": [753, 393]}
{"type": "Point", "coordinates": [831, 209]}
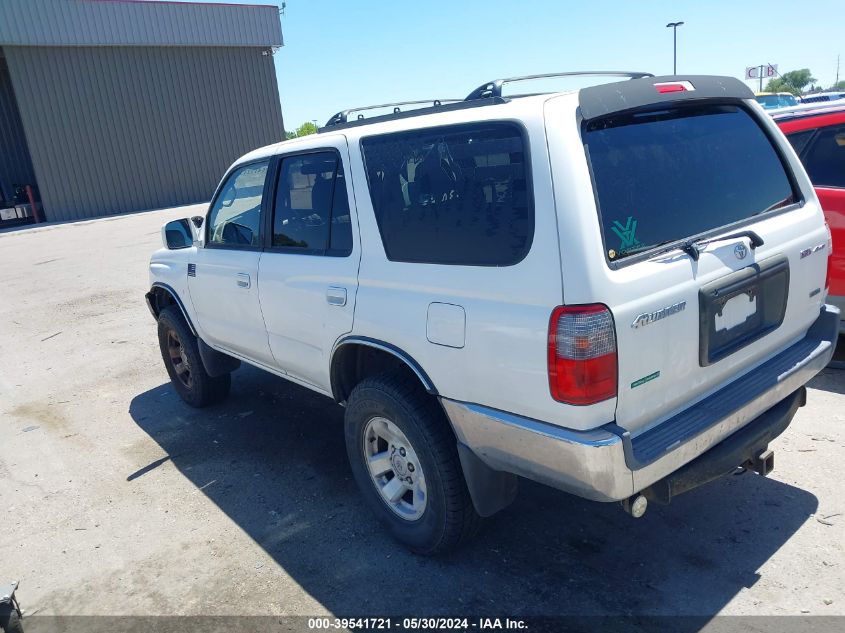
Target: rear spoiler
{"type": "Point", "coordinates": [623, 96]}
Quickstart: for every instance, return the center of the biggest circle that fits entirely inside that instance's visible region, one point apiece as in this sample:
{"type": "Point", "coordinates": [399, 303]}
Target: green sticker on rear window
{"type": "Point", "coordinates": [645, 379]}
{"type": "Point", "coordinates": [626, 233]}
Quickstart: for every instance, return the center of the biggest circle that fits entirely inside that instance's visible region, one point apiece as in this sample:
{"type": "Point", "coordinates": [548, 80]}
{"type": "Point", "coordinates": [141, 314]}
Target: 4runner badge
{"type": "Point", "coordinates": [662, 313]}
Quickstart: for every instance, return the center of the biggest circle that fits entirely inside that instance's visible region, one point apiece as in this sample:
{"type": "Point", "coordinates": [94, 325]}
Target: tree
{"type": "Point", "coordinates": [303, 130]}
{"type": "Point", "coordinates": [793, 81]}
{"type": "Point", "coordinates": [839, 85]}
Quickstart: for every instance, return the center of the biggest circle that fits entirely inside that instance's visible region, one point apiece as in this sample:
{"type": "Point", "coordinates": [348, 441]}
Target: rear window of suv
{"type": "Point", "coordinates": [452, 195]}
{"type": "Point", "coordinates": [665, 176]}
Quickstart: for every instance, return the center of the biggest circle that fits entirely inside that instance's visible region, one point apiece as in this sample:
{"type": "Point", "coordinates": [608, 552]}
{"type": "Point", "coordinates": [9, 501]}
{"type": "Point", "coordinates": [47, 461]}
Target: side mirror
{"type": "Point", "coordinates": [177, 234]}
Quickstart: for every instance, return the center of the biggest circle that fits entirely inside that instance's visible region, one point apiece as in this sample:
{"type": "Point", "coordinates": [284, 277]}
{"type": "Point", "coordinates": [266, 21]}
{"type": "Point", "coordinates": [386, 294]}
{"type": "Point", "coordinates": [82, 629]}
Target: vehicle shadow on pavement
{"type": "Point", "coordinates": [276, 454]}
{"type": "Point", "coordinates": [830, 379]}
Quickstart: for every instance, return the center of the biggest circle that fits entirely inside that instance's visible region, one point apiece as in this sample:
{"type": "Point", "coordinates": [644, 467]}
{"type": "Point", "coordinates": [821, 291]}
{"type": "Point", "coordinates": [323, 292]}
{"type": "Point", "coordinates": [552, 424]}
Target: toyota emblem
{"type": "Point", "coordinates": [740, 251]}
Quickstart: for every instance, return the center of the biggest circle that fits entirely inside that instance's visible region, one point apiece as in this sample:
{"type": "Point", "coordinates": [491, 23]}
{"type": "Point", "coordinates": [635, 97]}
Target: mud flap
{"type": "Point", "coordinates": [490, 490]}
{"type": "Point", "coordinates": [216, 363]}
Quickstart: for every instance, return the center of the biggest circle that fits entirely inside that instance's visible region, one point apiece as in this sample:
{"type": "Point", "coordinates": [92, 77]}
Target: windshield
{"type": "Point", "coordinates": [668, 175]}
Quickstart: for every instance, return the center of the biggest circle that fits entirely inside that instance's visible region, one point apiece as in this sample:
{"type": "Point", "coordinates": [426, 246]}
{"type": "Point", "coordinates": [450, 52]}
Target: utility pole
{"type": "Point", "coordinates": [837, 71]}
{"type": "Point", "coordinates": [674, 26]}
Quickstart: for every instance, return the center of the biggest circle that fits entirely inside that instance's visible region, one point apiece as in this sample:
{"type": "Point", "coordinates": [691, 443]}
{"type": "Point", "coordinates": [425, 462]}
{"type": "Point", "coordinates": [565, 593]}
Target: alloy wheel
{"type": "Point", "coordinates": [395, 469]}
{"type": "Point", "coordinates": [178, 359]}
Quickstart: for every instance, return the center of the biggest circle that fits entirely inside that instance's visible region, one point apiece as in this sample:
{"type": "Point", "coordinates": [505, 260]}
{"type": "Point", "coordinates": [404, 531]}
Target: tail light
{"type": "Point", "coordinates": [582, 354]}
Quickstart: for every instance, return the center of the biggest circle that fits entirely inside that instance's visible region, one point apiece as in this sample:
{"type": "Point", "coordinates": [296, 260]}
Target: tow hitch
{"type": "Point", "coordinates": [763, 463]}
{"type": "Point", "coordinates": [747, 448]}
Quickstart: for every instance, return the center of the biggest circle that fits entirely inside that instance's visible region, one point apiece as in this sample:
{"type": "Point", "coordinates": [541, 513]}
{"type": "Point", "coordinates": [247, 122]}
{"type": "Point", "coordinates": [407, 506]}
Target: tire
{"type": "Point", "coordinates": [435, 514]}
{"type": "Point", "coordinates": [10, 621]}
{"type": "Point", "coordinates": [181, 356]}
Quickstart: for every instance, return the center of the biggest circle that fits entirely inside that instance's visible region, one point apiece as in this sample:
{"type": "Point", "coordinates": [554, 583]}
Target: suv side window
{"type": "Point", "coordinates": [452, 195]}
{"type": "Point", "coordinates": [312, 211]}
{"type": "Point", "coordinates": [235, 218]}
{"type": "Point", "coordinates": [825, 158]}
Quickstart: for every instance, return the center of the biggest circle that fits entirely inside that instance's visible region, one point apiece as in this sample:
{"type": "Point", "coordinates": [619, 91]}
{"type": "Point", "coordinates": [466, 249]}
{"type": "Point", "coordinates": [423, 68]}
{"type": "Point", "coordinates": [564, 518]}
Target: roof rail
{"type": "Point", "coordinates": [486, 94]}
{"type": "Point", "coordinates": [343, 115]}
{"type": "Point", "coordinates": [494, 88]}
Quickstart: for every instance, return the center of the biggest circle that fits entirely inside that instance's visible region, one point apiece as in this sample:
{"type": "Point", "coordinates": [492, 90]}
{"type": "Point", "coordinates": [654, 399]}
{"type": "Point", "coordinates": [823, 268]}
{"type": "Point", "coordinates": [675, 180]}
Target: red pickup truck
{"type": "Point", "coordinates": [818, 136]}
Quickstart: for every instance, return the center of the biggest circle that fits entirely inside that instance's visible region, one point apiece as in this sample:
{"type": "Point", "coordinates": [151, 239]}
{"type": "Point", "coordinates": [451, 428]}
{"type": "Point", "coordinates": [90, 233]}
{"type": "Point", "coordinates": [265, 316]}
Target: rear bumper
{"type": "Point", "coordinates": [607, 464]}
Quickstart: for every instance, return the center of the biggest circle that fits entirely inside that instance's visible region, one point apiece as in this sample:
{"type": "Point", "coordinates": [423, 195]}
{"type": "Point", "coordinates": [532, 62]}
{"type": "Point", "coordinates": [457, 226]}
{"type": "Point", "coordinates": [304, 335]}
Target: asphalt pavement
{"type": "Point", "coordinates": [117, 498]}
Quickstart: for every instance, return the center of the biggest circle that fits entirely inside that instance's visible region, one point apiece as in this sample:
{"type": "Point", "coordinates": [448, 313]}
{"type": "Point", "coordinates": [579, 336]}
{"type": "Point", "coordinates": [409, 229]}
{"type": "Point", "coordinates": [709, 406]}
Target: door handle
{"type": "Point", "coordinates": [336, 296]}
{"type": "Point", "coordinates": [243, 280]}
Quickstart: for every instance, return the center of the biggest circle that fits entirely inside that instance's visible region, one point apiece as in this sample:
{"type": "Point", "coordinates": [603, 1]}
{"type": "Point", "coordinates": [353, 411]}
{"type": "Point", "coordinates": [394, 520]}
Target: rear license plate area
{"type": "Point", "coordinates": [740, 308]}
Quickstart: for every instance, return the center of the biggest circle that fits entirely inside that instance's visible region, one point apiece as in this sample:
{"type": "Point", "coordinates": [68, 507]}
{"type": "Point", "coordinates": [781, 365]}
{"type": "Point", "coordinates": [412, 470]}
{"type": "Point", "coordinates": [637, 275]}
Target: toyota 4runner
{"type": "Point", "coordinates": [617, 291]}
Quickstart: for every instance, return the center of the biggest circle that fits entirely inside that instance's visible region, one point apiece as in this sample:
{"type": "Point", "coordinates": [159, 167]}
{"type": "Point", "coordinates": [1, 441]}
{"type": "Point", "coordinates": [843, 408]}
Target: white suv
{"type": "Point", "coordinates": [617, 291]}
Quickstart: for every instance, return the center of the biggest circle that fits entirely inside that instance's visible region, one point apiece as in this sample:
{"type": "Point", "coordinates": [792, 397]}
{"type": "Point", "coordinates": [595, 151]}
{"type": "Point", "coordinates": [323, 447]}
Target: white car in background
{"type": "Point", "coordinates": [819, 97]}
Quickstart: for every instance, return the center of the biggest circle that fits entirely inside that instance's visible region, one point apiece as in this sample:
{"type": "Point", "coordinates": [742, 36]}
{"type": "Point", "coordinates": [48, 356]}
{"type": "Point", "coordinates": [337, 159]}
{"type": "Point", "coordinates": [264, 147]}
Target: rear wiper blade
{"type": "Point", "coordinates": [641, 249]}
{"type": "Point", "coordinates": [693, 247]}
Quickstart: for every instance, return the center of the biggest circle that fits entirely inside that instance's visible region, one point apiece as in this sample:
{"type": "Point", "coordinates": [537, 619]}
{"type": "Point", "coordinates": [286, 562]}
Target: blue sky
{"type": "Point", "coordinates": [340, 54]}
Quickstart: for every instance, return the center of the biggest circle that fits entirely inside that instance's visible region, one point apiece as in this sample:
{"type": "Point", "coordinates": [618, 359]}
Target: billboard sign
{"type": "Point", "coordinates": [764, 71]}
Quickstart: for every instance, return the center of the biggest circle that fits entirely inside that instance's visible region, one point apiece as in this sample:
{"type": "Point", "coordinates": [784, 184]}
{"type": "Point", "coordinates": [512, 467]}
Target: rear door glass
{"type": "Point", "coordinates": [452, 195]}
{"type": "Point", "coordinates": [312, 210]}
{"type": "Point", "coordinates": [677, 173]}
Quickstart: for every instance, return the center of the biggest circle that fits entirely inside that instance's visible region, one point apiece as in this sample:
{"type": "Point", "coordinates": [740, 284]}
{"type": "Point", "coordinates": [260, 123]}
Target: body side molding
{"type": "Point", "coordinates": [390, 349]}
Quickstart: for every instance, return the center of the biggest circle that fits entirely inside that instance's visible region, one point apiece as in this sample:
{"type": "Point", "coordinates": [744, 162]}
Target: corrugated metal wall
{"type": "Point", "coordinates": [15, 164]}
{"type": "Point", "coordinates": [121, 23]}
{"type": "Point", "coordinates": [117, 129]}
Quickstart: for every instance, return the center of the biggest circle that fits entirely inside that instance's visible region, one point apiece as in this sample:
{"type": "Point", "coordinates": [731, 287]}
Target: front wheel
{"type": "Point", "coordinates": [405, 461]}
{"type": "Point", "coordinates": [181, 355]}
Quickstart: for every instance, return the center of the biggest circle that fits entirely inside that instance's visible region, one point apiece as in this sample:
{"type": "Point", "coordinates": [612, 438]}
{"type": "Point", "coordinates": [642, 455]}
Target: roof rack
{"type": "Point", "coordinates": [494, 88]}
{"type": "Point", "coordinates": [486, 94]}
{"type": "Point", "coordinates": [343, 116]}
{"type": "Point", "coordinates": [450, 105]}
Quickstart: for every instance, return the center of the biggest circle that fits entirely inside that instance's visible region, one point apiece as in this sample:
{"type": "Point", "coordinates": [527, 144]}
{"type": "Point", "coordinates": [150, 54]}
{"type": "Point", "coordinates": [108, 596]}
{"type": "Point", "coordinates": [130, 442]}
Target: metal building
{"type": "Point", "coordinates": [110, 106]}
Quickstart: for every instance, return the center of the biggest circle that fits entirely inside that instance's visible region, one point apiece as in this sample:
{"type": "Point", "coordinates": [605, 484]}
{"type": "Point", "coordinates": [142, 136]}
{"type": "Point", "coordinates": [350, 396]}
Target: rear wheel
{"type": "Point", "coordinates": [405, 461]}
{"type": "Point", "coordinates": [180, 352]}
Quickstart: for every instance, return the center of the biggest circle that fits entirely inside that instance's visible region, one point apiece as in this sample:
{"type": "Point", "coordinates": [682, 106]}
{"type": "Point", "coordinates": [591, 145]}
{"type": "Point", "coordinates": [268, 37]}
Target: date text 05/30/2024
{"type": "Point", "coordinates": [388, 624]}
